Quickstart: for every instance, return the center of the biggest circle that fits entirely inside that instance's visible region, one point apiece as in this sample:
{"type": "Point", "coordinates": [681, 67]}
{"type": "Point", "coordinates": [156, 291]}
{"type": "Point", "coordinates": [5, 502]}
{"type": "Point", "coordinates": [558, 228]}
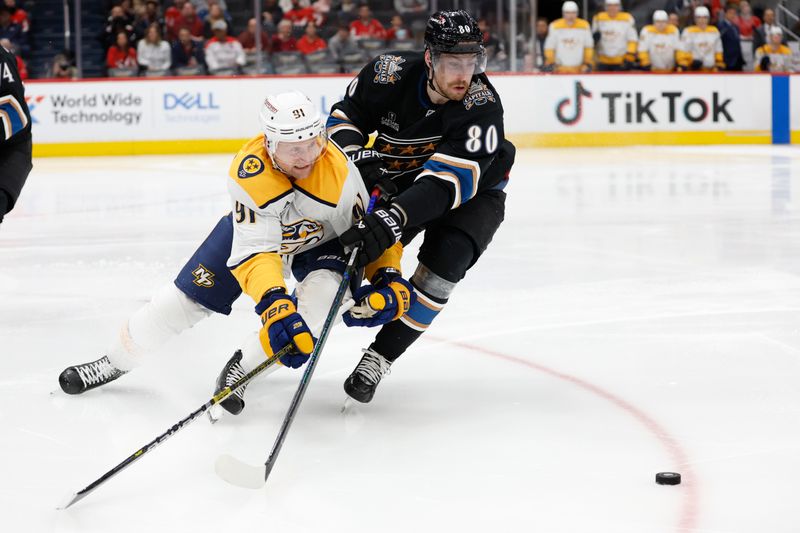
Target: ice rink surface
{"type": "Point", "coordinates": [637, 312]}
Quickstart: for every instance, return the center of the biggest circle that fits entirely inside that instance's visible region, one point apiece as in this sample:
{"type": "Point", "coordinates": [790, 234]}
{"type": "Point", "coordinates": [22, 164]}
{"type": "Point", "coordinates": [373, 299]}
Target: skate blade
{"type": "Point", "coordinates": [239, 473]}
{"type": "Point", "coordinates": [215, 413]}
{"type": "Point", "coordinates": [348, 402]}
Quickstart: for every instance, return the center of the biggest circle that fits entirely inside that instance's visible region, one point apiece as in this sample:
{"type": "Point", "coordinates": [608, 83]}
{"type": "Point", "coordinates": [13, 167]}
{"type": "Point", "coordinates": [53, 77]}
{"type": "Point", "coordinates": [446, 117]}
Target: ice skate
{"type": "Point", "coordinates": [80, 378]}
{"type": "Point", "coordinates": [231, 373]}
{"type": "Point", "coordinates": [361, 384]}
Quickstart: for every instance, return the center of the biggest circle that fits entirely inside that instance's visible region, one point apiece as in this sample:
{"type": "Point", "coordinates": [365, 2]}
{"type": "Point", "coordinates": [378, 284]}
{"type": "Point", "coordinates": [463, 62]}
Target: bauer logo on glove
{"type": "Point", "coordinates": [282, 326]}
{"type": "Point", "coordinates": [388, 298]}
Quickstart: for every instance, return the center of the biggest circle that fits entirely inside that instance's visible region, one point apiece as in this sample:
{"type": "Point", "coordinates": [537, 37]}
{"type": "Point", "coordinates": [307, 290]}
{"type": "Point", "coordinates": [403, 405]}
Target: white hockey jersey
{"type": "Point", "coordinates": [276, 216]}
{"type": "Point", "coordinates": [702, 45]}
{"type": "Point", "coordinates": [780, 59]}
{"type": "Point", "coordinates": [568, 47]}
{"type": "Point", "coordinates": [617, 37]}
{"type": "Point", "coordinates": [659, 49]}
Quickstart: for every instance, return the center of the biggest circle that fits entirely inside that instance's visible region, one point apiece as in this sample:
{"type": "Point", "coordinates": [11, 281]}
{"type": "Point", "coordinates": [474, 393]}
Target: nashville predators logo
{"type": "Point", "coordinates": [250, 166]}
{"type": "Point", "coordinates": [302, 233]}
{"type": "Point", "coordinates": [203, 277]}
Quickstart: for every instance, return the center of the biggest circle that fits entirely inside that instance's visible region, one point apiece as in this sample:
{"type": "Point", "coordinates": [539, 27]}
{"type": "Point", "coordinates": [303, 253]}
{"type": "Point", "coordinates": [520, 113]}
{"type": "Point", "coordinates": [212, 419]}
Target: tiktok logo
{"type": "Point", "coordinates": [580, 92]}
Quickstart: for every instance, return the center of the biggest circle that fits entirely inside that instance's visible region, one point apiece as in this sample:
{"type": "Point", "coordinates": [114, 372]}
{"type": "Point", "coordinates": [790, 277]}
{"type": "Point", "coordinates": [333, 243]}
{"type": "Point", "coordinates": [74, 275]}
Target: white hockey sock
{"type": "Point", "coordinates": [165, 316]}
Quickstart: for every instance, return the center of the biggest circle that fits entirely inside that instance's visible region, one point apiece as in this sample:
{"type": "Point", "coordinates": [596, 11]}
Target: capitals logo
{"type": "Point", "coordinates": [203, 277]}
{"type": "Point", "coordinates": [250, 166]}
{"type": "Point", "coordinates": [302, 233]}
{"type": "Point", "coordinates": [33, 102]}
{"type": "Point", "coordinates": [387, 69]}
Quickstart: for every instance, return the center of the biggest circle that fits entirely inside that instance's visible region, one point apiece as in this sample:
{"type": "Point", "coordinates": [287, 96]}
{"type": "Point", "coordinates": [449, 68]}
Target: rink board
{"type": "Point", "coordinates": [202, 115]}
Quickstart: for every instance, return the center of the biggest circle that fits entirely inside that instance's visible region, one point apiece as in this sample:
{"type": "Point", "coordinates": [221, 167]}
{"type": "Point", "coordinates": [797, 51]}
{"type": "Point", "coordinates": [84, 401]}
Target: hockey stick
{"type": "Point", "coordinates": [138, 454]}
{"type": "Point", "coordinates": [243, 475]}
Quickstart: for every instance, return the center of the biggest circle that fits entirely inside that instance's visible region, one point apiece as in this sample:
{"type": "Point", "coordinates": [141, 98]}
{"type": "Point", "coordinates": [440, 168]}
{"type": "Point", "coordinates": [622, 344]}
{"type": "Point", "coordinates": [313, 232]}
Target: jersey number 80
{"type": "Point", "coordinates": [475, 140]}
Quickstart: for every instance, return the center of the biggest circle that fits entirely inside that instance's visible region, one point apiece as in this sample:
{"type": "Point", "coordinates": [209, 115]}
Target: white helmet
{"type": "Point", "coordinates": [701, 11]}
{"type": "Point", "coordinates": [660, 16]}
{"type": "Point", "coordinates": [290, 117]}
{"type": "Point", "coordinates": [569, 7]}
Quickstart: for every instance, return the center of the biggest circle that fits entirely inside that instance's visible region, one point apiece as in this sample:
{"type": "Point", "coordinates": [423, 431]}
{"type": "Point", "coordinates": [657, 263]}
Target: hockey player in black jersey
{"type": "Point", "coordinates": [441, 144]}
{"type": "Point", "coordinates": [15, 133]}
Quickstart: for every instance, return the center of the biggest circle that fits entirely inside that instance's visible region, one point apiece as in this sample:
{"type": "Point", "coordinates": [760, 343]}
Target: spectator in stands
{"type": "Point", "coordinates": [343, 44]}
{"type": "Point", "coordinates": [191, 21]}
{"type": "Point", "coordinates": [322, 10]}
{"type": "Point", "coordinates": [731, 41]}
{"type": "Point", "coordinates": [701, 44]}
{"type": "Point", "coordinates": [19, 16]}
{"type": "Point", "coordinates": [214, 14]}
{"type": "Point", "coordinates": [283, 41]}
{"type": "Point", "coordinates": [22, 68]}
{"type": "Point", "coordinates": [774, 56]}
{"type": "Point", "coordinates": [205, 11]}
{"type": "Point", "coordinates": [365, 26]}
{"type": "Point", "coordinates": [761, 34]}
{"type": "Point", "coordinates": [659, 44]}
{"type": "Point", "coordinates": [310, 41]}
{"type": "Point", "coordinates": [675, 20]}
{"type": "Point", "coordinates": [411, 7]}
{"type": "Point", "coordinates": [223, 52]}
{"type": "Point", "coordinates": [12, 31]}
{"type": "Point", "coordinates": [63, 67]}
{"type": "Point", "coordinates": [117, 22]}
{"type": "Point", "coordinates": [121, 55]}
{"type": "Point", "coordinates": [541, 37]}
{"type": "Point", "coordinates": [171, 18]}
{"type": "Point", "coordinates": [271, 15]}
{"type": "Point", "coordinates": [494, 47]}
{"type": "Point", "coordinates": [248, 38]}
{"type": "Point", "coordinates": [348, 12]}
{"type": "Point", "coordinates": [128, 11]}
{"type": "Point", "coordinates": [186, 52]}
{"type": "Point", "coordinates": [614, 31]}
{"type": "Point", "coordinates": [397, 29]}
{"type": "Point", "coordinates": [152, 52]}
{"type": "Point", "coordinates": [569, 46]}
{"type": "Point", "coordinates": [300, 14]}
{"type": "Point", "coordinates": [150, 16]}
{"type": "Point", "coordinates": [746, 21]}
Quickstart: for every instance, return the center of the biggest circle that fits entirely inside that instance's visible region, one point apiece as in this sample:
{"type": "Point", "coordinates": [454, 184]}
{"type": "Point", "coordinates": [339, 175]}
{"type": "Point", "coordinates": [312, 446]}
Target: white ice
{"type": "Point", "coordinates": [637, 312]}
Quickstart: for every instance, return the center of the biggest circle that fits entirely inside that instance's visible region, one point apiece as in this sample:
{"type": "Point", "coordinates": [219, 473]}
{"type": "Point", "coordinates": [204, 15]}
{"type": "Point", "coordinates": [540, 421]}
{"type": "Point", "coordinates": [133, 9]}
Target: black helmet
{"type": "Point", "coordinates": [453, 32]}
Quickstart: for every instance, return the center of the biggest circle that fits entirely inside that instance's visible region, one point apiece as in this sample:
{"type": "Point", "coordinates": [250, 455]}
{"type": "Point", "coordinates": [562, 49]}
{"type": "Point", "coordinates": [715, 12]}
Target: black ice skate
{"type": "Point", "coordinates": [361, 384]}
{"type": "Point", "coordinates": [80, 378]}
{"type": "Point", "coordinates": [231, 373]}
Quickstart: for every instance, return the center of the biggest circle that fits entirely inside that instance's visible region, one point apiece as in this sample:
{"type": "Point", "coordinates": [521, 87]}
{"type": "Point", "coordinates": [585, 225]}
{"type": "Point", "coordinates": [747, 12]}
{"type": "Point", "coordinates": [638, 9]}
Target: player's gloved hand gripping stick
{"type": "Point", "coordinates": [241, 474]}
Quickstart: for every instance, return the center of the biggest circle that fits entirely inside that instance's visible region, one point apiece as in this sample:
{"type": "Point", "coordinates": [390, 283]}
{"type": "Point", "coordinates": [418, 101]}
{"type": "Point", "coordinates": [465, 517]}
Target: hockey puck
{"type": "Point", "coordinates": [668, 478]}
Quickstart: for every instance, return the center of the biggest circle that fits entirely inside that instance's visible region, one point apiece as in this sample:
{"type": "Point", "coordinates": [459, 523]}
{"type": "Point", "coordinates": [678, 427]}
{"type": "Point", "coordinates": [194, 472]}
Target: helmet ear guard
{"type": "Point", "coordinates": [290, 117]}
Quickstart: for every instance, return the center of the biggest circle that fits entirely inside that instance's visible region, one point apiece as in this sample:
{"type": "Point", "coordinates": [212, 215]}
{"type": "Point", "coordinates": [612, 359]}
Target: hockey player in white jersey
{"type": "Point", "coordinates": [774, 56]}
{"type": "Point", "coordinates": [659, 44]}
{"type": "Point", "coordinates": [568, 47]}
{"type": "Point", "coordinates": [701, 44]}
{"type": "Point", "coordinates": [614, 31]}
{"type": "Point", "coordinates": [292, 193]}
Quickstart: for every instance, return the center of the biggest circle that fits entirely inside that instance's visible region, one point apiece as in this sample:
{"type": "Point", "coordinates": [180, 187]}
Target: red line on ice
{"type": "Point", "coordinates": [689, 512]}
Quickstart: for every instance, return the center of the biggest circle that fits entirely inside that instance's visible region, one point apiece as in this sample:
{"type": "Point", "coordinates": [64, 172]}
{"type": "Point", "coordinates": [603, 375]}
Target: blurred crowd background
{"type": "Point", "coordinates": [69, 39]}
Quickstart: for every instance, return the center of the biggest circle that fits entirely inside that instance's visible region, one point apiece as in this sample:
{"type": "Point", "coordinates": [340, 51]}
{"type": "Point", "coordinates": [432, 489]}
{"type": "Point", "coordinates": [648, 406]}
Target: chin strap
{"type": "Point", "coordinates": [432, 86]}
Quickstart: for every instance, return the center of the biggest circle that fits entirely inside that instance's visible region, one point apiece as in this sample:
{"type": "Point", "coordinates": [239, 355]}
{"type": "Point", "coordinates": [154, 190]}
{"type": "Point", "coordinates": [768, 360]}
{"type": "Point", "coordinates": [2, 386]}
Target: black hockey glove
{"type": "Point", "coordinates": [369, 164]}
{"type": "Point", "coordinates": [374, 234]}
{"type": "Point", "coordinates": [764, 64]}
{"type": "Point", "coordinates": [696, 65]}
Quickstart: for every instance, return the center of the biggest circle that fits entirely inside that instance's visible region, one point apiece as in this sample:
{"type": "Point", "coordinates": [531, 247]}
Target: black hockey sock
{"type": "Point", "coordinates": [393, 339]}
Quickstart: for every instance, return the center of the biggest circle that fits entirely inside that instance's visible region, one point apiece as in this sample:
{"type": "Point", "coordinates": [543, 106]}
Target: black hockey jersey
{"type": "Point", "coordinates": [455, 142]}
{"type": "Point", "coordinates": [15, 119]}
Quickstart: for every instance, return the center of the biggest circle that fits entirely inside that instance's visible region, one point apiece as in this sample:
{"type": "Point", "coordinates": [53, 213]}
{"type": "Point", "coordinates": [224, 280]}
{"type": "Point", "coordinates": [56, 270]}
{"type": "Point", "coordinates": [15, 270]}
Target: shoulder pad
{"type": "Point", "coordinates": [250, 171]}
